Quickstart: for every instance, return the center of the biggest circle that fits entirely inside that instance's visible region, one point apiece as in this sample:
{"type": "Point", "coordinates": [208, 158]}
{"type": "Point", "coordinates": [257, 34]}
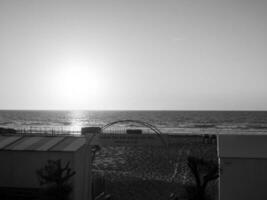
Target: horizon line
{"type": "Point", "coordinates": [159, 110]}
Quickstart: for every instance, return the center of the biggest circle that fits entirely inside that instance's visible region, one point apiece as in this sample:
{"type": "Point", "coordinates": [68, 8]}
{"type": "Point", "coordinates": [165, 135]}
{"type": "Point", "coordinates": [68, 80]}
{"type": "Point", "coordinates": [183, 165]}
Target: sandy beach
{"type": "Point", "coordinates": [152, 172]}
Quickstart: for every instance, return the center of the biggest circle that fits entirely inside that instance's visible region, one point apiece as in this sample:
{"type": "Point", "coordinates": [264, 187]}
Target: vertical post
{"type": "Point", "coordinates": [89, 133]}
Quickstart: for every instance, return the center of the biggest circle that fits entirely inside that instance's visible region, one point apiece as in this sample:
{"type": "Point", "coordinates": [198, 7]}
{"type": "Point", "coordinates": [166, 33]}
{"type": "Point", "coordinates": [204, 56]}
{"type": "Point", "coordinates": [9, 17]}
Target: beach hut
{"type": "Point", "coordinates": [22, 156]}
{"type": "Point", "coordinates": [243, 163]}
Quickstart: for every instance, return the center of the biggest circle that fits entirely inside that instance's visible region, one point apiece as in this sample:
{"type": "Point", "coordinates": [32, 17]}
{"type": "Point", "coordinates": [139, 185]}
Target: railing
{"type": "Point", "coordinates": [48, 131]}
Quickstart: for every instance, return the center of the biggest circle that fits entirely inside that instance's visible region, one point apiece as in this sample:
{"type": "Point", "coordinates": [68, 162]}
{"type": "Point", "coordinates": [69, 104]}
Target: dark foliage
{"type": "Point", "coordinates": [55, 179]}
{"type": "Point", "coordinates": [203, 172]}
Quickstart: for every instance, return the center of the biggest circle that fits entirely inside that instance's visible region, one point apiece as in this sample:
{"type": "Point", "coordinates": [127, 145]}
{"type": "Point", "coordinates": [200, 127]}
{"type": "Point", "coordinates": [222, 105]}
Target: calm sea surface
{"type": "Point", "coordinates": [169, 121]}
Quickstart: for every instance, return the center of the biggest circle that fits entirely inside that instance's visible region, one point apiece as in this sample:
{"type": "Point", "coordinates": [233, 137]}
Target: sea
{"type": "Point", "coordinates": [216, 122]}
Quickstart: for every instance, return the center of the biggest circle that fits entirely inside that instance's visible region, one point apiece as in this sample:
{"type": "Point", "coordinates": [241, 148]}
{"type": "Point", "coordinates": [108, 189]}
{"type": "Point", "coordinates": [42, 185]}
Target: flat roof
{"type": "Point", "coordinates": [243, 146]}
{"type": "Point", "coordinates": [41, 143]}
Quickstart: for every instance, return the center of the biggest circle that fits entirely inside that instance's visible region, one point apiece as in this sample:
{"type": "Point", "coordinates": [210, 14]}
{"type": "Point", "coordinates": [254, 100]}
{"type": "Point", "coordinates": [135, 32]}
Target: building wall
{"type": "Point", "coordinates": [82, 165]}
{"type": "Point", "coordinates": [18, 168]}
{"type": "Point", "coordinates": [243, 179]}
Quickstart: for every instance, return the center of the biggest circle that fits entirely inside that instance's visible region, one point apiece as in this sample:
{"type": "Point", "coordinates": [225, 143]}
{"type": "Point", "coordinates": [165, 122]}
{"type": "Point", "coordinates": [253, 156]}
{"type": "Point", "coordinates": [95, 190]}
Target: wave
{"type": "Point", "coordinates": [162, 119]}
{"type": "Point", "coordinates": [5, 123]}
{"type": "Point", "coordinates": [257, 126]}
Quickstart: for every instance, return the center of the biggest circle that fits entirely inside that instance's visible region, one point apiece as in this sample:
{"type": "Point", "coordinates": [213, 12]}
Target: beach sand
{"type": "Point", "coordinates": [146, 172]}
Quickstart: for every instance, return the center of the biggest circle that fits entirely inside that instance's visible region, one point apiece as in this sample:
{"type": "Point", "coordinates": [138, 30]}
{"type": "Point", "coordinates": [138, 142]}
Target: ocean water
{"type": "Point", "coordinates": [167, 121]}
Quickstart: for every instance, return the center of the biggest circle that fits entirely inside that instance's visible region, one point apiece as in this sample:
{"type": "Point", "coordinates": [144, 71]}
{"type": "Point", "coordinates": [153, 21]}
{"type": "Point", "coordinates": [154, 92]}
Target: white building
{"type": "Point", "coordinates": [243, 161]}
{"type": "Point", "coordinates": [22, 156]}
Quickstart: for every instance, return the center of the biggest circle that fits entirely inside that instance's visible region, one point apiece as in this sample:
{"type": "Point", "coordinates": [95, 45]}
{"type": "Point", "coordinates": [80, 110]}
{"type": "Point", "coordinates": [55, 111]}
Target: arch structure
{"type": "Point", "coordinates": [145, 124]}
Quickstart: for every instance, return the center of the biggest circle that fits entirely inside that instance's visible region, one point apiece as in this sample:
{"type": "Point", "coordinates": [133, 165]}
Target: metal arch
{"type": "Point", "coordinates": [133, 121]}
{"type": "Point", "coordinates": [153, 128]}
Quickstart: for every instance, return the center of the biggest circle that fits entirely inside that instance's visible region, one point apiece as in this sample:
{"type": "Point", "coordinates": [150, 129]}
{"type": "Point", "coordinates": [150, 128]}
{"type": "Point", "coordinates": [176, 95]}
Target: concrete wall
{"type": "Point", "coordinates": [18, 168]}
{"type": "Point", "coordinates": [82, 165]}
{"type": "Point", "coordinates": [243, 179]}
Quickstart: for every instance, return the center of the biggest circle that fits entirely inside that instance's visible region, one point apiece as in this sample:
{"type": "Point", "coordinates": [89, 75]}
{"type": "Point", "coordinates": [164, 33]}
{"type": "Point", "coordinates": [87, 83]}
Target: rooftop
{"type": "Point", "coordinates": [41, 143]}
{"type": "Point", "coordinates": [243, 146]}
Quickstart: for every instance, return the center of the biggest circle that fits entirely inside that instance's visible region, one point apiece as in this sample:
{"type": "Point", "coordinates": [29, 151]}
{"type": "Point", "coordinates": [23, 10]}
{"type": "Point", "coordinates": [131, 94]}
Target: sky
{"type": "Point", "coordinates": [133, 55]}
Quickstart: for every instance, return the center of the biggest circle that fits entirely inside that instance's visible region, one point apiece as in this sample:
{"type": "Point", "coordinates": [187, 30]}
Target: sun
{"type": "Point", "coordinates": [80, 86]}
{"type": "Point", "coordinates": [79, 81]}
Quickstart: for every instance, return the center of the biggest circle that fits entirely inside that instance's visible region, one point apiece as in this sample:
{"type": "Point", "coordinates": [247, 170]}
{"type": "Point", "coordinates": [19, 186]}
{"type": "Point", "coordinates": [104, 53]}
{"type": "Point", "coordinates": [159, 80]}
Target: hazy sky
{"type": "Point", "coordinates": [196, 55]}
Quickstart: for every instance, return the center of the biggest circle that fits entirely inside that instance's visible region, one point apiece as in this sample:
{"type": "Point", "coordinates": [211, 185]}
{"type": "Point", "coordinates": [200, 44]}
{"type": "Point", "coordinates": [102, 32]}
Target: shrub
{"type": "Point", "coordinates": [55, 179]}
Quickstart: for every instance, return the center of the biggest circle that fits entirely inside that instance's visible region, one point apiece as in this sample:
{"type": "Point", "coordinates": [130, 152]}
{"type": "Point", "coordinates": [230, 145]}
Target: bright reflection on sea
{"type": "Point", "coordinates": [77, 121]}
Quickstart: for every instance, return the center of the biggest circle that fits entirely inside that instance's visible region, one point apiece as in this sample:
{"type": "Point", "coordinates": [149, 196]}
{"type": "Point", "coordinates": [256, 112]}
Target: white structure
{"type": "Point", "coordinates": [22, 156]}
{"type": "Point", "coordinates": [243, 161]}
